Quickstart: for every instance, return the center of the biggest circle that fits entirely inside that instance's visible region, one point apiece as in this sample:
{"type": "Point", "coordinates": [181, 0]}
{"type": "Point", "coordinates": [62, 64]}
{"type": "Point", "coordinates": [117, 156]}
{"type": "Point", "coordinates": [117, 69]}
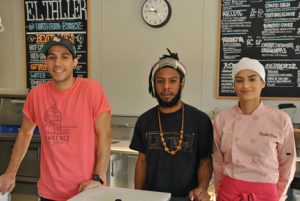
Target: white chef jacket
{"type": "Point", "coordinates": [258, 148]}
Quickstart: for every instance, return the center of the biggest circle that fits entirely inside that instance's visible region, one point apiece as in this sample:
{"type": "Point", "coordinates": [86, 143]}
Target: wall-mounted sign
{"type": "Point", "coordinates": [43, 20]}
{"type": "Point", "coordinates": [265, 30]}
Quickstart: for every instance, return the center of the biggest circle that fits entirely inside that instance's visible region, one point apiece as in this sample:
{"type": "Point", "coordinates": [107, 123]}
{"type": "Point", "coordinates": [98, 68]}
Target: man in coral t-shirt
{"type": "Point", "coordinates": [74, 119]}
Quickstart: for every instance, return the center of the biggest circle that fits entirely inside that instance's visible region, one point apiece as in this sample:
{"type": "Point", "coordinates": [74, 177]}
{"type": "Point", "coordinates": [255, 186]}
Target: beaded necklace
{"type": "Point", "coordinates": [161, 134]}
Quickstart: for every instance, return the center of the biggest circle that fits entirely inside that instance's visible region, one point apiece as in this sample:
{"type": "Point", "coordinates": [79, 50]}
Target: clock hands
{"type": "Point", "coordinates": [154, 11]}
{"type": "Point", "coordinates": [151, 10]}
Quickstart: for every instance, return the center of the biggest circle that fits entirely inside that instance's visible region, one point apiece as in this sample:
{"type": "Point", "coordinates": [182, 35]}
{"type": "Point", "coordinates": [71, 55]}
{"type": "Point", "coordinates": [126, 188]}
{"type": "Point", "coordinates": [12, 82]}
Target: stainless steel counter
{"type": "Point", "coordinates": [122, 146]}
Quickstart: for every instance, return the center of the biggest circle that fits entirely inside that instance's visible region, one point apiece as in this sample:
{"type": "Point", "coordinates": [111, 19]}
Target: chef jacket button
{"type": "Point", "coordinates": [252, 141]}
{"type": "Point", "coordinates": [255, 117]}
{"type": "Point", "coordinates": [237, 161]}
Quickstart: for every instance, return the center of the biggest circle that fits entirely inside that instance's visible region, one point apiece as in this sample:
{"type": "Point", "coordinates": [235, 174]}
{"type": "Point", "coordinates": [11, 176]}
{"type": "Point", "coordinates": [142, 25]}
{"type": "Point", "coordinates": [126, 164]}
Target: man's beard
{"type": "Point", "coordinates": [171, 103]}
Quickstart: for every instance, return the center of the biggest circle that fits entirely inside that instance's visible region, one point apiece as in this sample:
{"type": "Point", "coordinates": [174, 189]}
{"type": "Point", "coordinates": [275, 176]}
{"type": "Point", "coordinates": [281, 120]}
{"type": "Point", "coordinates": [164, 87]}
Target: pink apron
{"type": "Point", "coordinates": [237, 190]}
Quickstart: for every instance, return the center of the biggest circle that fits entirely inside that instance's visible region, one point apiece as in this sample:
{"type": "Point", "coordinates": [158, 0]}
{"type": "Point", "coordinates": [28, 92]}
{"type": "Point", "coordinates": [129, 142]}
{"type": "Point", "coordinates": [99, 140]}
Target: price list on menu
{"type": "Point", "coordinates": [268, 31]}
{"type": "Point", "coordinates": [45, 19]}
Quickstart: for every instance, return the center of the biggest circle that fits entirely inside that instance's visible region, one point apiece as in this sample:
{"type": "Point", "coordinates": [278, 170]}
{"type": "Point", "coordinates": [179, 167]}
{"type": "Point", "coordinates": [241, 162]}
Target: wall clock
{"type": "Point", "coordinates": [156, 13]}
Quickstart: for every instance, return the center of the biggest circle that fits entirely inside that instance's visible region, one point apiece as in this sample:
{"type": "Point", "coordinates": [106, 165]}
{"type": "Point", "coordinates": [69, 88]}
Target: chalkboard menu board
{"type": "Point", "coordinates": [265, 30]}
{"type": "Point", "coordinates": [45, 19]}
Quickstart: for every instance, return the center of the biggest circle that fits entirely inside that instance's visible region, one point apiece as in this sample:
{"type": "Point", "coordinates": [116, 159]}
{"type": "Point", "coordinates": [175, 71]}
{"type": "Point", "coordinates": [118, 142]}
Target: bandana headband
{"type": "Point", "coordinates": [164, 63]}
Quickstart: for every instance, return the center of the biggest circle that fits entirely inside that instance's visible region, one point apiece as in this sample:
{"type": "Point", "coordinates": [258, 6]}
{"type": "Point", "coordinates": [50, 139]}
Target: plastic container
{"type": "Point", "coordinates": [5, 197]}
{"type": "Point", "coordinates": [296, 195]}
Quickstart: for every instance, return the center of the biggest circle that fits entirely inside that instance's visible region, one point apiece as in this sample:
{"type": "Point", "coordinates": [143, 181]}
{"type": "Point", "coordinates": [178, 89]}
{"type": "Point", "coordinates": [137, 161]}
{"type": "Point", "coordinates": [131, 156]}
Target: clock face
{"type": "Point", "coordinates": [156, 13]}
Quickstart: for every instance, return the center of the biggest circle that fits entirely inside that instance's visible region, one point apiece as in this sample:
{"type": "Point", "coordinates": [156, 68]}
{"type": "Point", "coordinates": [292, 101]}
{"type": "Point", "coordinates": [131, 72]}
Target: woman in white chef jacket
{"type": "Point", "coordinates": [254, 150]}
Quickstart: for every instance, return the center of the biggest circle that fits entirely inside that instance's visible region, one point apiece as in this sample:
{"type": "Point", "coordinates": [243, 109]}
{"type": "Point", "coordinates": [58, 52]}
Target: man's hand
{"type": "Point", "coordinates": [88, 185]}
{"type": "Point", "coordinates": [199, 194]}
{"type": "Point", "coordinates": [7, 182]}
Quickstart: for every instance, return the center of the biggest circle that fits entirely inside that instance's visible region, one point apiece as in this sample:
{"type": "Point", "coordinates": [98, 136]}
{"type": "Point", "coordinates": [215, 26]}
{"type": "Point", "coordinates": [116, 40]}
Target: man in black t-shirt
{"type": "Point", "coordinates": [174, 139]}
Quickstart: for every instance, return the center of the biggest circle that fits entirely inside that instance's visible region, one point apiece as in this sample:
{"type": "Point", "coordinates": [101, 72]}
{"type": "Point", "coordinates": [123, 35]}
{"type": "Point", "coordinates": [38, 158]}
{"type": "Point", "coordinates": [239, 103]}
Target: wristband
{"type": "Point", "coordinates": [98, 178]}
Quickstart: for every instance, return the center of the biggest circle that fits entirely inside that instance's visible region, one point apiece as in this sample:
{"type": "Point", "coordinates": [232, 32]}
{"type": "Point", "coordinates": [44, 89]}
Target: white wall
{"type": "Point", "coordinates": [12, 70]}
{"type": "Point", "coordinates": [131, 47]}
{"type": "Point", "coordinates": [123, 48]}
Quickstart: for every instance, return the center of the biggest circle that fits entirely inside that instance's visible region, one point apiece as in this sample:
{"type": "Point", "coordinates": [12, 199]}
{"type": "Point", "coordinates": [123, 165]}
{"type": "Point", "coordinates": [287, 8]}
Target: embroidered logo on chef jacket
{"type": "Point", "coordinates": [266, 134]}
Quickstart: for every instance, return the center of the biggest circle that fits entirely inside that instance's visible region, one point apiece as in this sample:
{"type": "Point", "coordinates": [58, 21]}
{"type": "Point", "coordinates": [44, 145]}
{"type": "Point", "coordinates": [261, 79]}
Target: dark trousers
{"type": "Point", "coordinates": [44, 199]}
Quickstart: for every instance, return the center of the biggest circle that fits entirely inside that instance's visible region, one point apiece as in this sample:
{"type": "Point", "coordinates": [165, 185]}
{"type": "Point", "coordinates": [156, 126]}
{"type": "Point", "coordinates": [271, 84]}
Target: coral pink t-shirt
{"type": "Point", "coordinates": [66, 119]}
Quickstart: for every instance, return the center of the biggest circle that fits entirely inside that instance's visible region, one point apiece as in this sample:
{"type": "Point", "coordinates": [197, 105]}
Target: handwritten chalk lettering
{"type": "Point", "coordinates": [226, 71]}
{"type": "Point", "coordinates": [231, 45]}
{"type": "Point", "coordinates": [43, 38]}
{"type": "Point", "coordinates": [37, 82]}
{"type": "Point", "coordinates": [278, 5]}
{"type": "Point", "coordinates": [31, 11]}
{"type": "Point", "coordinates": [47, 26]}
{"type": "Point", "coordinates": [226, 1]}
{"type": "Point", "coordinates": [233, 13]}
{"type": "Point", "coordinates": [72, 26]}
{"type": "Point", "coordinates": [277, 25]}
{"type": "Point", "coordinates": [232, 56]}
{"type": "Point", "coordinates": [227, 85]}
{"type": "Point", "coordinates": [272, 72]}
{"type": "Point", "coordinates": [283, 79]}
{"type": "Point", "coordinates": [232, 39]}
{"type": "Point", "coordinates": [55, 10]}
{"type": "Point", "coordinates": [34, 56]}
{"type": "Point", "coordinates": [75, 9]}
{"type": "Point", "coordinates": [271, 84]}
{"type": "Point", "coordinates": [278, 45]}
{"type": "Point", "coordinates": [260, 13]}
{"type": "Point", "coordinates": [274, 50]}
{"type": "Point", "coordinates": [79, 68]}
{"type": "Point", "coordinates": [43, 26]}
{"type": "Point", "coordinates": [249, 41]}
{"type": "Point", "coordinates": [37, 75]}
{"type": "Point", "coordinates": [33, 66]}
{"type": "Point", "coordinates": [281, 14]}
{"type": "Point", "coordinates": [253, 12]}
{"type": "Point", "coordinates": [285, 5]}
{"type": "Point", "coordinates": [272, 5]}
{"type": "Point", "coordinates": [227, 65]}
{"type": "Point", "coordinates": [39, 67]}
{"type": "Point", "coordinates": [81, 74]}
{"type": "Point", "coordinates": [281, 66]}
{"type": "Point", "coordinates": [32, 47]}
